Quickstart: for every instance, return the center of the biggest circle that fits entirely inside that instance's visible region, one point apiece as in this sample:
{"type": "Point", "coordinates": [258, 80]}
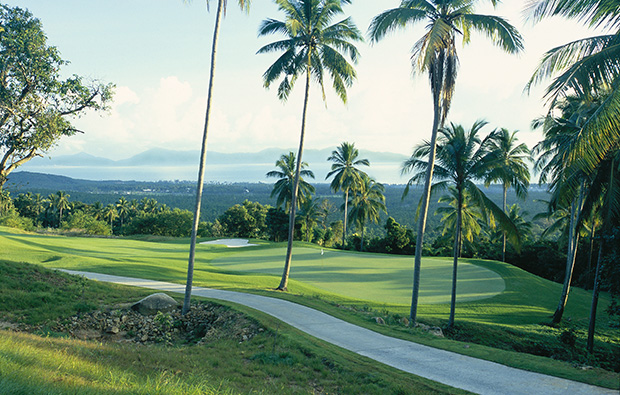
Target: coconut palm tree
{"type": "Point", "coordinates": [435, 53]}
{"type": "Point", "coordinates": [221, 9]}
{"type": "Point", "coordinates": [367, 203]}
{"type": "Point", "coordinates": [61, 203]}
{"type": "Point", "coordinates": [110, 214]}
{"type": "Point", "coordinates": [312, 48]}
{"type": "Point", "coordinates": [462, 158]}
{"type": "Point", "coordinates": [568, 176]}
{"type": "Point", "coordinates": [585, 67]}
{"type": "Point", "coordinates": [123, 208]}
{"type": "Point", "coordinates": [346, 175]}
{"type": "Point", "coordinates": [471, 217]}
{"type": "Point", "coordinates": [510, 168]}
{"type": "Point", "coordinates": [310, 214]}
{"type": "Point", "coordinates": [283, 188]}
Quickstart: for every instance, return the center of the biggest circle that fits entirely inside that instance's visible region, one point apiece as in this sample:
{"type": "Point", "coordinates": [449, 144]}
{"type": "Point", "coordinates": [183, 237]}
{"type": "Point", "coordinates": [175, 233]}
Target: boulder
{"type": "Point", "coordinates": [154, 303]}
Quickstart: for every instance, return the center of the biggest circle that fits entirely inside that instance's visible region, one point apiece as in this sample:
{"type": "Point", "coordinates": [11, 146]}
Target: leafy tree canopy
{"type": "Point", "coordinates": [36, 103]}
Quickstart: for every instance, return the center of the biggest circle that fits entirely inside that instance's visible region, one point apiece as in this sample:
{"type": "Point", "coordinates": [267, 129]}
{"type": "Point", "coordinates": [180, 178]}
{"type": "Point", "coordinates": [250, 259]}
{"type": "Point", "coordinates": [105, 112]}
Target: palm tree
{"type": "Point", "coordinates": [435, 53]}
{"type": "Point", "coordinates": [585, 67]}
{"type": "Point", "coordinates": [110, 214]}
{"type": "Point", "coordinates": [462, 158]}
{"type": "Point", "coordinates": [283, 188]}
{"type": "Point", "coordinates": [346, 175]}
{"type": "Point", "coordinates": [310, 214]}
{"type": "Point", "coordinates": [123, 208]}
{"type": "Point", "coordinates": [569, 178]}
{"type": "Point", "coordinates": [312, 48]}
{"type": "Point", "coordinates": [61, 203]}
{"type": "Point", "coordinates": [510, 168]}
{"type": "Point", "coordinates": [471, 217]}
{"type": "Point", "coordinates": [221, 8]}
{"type": "Point", "coordinates": [367, 204]}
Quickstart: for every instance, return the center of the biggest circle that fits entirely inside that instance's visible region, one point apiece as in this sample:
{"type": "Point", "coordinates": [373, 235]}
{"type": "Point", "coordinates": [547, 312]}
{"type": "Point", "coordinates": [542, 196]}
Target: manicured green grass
{"type": "Point", "coordinates": [377, 278]}
{"type": "Point", "coordinates": [498, 326]}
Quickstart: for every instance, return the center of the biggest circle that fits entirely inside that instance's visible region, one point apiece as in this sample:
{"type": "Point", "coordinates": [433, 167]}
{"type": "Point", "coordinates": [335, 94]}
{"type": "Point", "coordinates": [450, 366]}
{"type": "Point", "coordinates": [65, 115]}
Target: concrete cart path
{"type": "Point", "coordinates": [445, 367]}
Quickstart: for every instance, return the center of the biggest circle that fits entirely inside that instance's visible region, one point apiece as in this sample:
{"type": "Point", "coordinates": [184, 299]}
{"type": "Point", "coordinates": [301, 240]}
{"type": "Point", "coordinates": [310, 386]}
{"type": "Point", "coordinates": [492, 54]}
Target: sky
{"type": "Point", "coordinates": [157, 53]}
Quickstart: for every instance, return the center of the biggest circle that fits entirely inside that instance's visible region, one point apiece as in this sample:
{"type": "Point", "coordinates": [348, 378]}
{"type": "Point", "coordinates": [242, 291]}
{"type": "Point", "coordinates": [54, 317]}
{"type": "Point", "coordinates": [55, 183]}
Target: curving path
{"type": "Point", "coordinates": [446, 367]}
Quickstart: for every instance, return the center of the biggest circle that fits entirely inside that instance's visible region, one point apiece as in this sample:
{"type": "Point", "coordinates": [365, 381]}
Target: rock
{"type": "Point", "coordinates": [154, 303]}
{"type": "Point", "coordinates": [113, 330]}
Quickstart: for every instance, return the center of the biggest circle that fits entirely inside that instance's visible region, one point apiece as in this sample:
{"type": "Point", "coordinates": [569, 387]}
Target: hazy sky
{"type": "Point", "coordinates": [157, 53]}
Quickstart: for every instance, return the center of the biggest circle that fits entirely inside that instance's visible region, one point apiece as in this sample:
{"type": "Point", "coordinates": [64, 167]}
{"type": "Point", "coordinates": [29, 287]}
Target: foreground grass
{"type": "Point", "coordinates": [505, 328]}
{"type": "Point", "coordinates": [279, 360]}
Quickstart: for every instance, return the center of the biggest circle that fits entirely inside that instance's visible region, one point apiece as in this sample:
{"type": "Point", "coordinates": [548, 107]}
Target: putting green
{"type": "Point", "coordinates": [373, 277]}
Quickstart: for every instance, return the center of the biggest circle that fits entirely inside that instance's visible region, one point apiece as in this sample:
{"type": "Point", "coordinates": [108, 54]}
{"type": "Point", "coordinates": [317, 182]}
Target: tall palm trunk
{"type": "Point", "coordinates": [437, 121]}
{"type": "Point", "coordinates": [203, 160]}
{"type": "Point", "coordinates": [457, 253]}
{"type": "Point", "coordinates": [573, 242]}
{"type": "Point", "coordinates": [592, 232]}
{"type": "Point", "coordinates": [346, 208]}
{"type": "Point", "coordinates": [595, 290]}
{"type": "Point", "coordinates": [362, 243]}
{"type": "Point", "coordinates": [291, 224]}
{"type": "Point", "coordinates": [504, 232]}
{"type": "Point", "coordinates": [593, 306]}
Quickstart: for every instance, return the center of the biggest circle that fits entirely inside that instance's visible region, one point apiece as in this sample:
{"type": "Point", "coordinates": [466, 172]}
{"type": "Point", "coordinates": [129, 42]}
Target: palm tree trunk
{"type": "Point", "coordinates": [457, 253]}
{"type": "Point", "coordinates": [593, 306]}
{"type": "Point", "coordinates": [362, 241]}
{"type": "Point", "coordinates": [291, 228]}
{"type": "Point", "coordinates": [346, 208]}
{"type": "Point", "coordinates": [590, 253]}
{"type": "Point", "coordinates": [573, 242]}
{"type": "Point", "coordinates": [595, 290]}
{"type": "Point", "coordinates": [203, 160]}
{"type": "Point", "coordinates": [426, 196]}
{"type": "Point", "coordinates": [504, 232]}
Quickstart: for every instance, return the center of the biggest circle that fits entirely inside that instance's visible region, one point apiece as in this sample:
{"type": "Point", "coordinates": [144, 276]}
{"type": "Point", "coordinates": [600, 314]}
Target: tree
{"type": "Point", "coordinates": [509, 167]}
{"type": "Point", "coordinates": [471, 217]}
{"type": "Point", "coordinates": [346, 175]}
{"type": "Point", "coordinates": [436, 54]}
{"type": "Point", "coordinates": [567, 175]}
{"type": "Point", "coordinates": [367, 204]}
{"type": "Point", "coordinates": [60, 201]}
{"type": "Point", "coordinates": [276, 222]}
{"type": "Point", "coordinates": [462, 158]}
{"type": "Point", "coordinates": [221, 7]}
{"type": "Point", "coordinates": [37, 106]}
{"type": "Point", "coordinates": [309, 214]}
{"type": "Point", "coordinates": [312, 48]}
{"type": "Point", "coordinates": [123, 208]}
{"type": "Point", "coordinates": [283, 188]}
{"type": "Point", "coordinates": [110, 214]}
{"type": "Point", "coordinates": [584, 68]}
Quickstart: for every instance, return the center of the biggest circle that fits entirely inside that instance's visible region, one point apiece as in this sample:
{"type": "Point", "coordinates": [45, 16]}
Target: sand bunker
{"type": "Point", "coordinates": [231, 243]}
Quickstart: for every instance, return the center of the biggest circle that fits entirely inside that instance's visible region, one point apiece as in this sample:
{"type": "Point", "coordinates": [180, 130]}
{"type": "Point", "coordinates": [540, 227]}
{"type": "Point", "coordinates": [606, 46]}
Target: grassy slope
{"type": "Point", "coordinates": [516, 313]}
{"type": "Point", "coordinates": [278, 360]}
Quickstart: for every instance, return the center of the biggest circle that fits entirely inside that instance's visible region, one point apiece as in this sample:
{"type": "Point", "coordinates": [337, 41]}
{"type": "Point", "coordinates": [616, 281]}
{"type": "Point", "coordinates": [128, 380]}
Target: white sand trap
{"type": "Point", "coordinates": [231, 243]}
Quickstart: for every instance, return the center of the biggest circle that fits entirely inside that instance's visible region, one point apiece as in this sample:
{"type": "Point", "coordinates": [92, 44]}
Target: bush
{"type": "Point", "coordinates": [12, 219]}
{"type": "Point", "coordinates": [175, 223]}
{"type": "Point", "coordinates": [86, 224]}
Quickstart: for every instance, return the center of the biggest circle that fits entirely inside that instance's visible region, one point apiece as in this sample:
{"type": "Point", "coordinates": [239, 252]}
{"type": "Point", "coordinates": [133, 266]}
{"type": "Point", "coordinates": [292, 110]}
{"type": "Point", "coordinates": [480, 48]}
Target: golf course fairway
{"type": "Point", "coordinates": [374, 277]}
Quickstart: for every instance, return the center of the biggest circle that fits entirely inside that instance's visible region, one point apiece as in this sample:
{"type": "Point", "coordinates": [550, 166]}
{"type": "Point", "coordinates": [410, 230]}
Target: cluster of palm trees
{"type": "Point", "coordinates": [580, 153]}
{"type": "Point", "coordinates": [53, 210]}
{"type": "Point", "coordinates": [364, 198]}
{"type": "Point", "coordinates": [463, 157]}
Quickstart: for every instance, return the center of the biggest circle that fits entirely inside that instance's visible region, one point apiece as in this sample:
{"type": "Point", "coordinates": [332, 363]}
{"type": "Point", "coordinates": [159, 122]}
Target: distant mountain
{"type": "Point", "coordinates": [165, 164]}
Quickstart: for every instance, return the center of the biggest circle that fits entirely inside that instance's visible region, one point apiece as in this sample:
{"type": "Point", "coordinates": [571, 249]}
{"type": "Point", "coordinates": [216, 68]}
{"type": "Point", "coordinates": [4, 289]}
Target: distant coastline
{"type": "Point", "coordinates": [169, 165]}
